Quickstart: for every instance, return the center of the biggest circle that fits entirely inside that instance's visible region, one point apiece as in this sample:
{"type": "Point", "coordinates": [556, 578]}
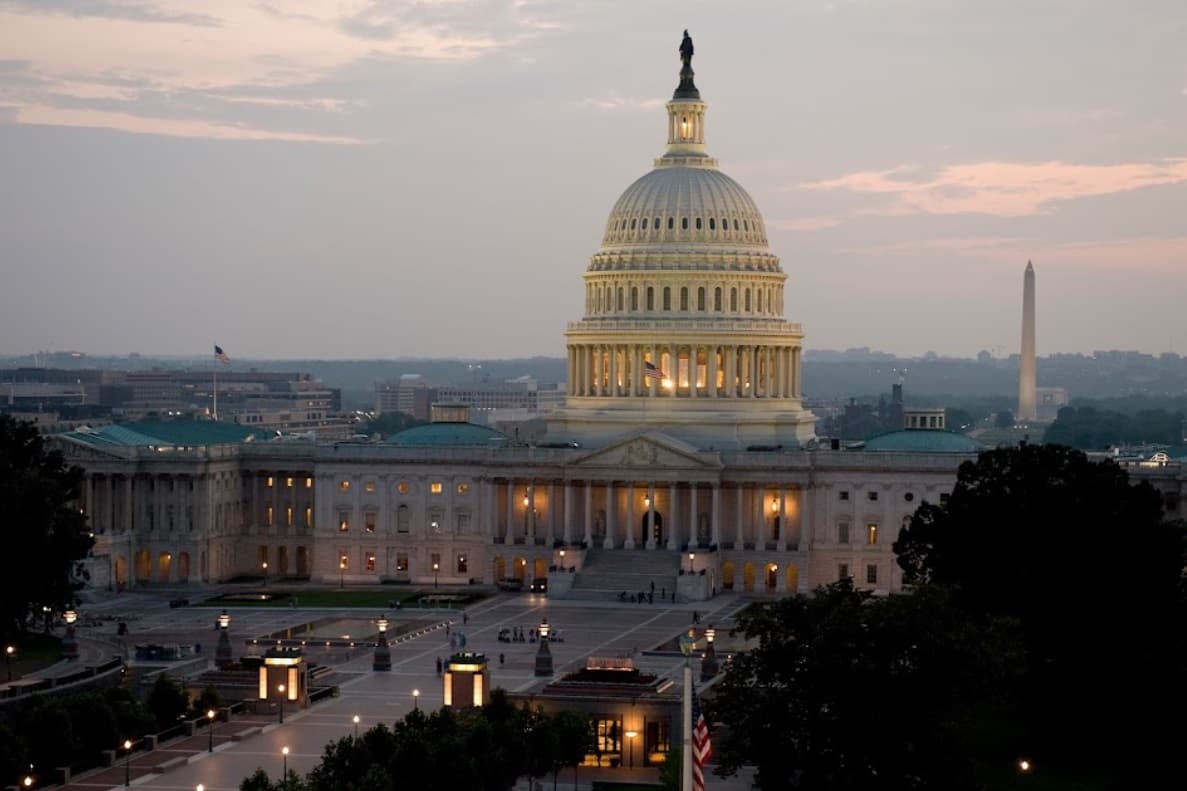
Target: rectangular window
{"type": "Point", "coordinates": [463, 488]}
{"type": "Point", "coordinates": [403, 519]}
{"type": "Point", "coordinates": [344, 485]}
{"type": "Point", "coordinates": [843, 533]}
{"type": "Point", "coordinates": [268, 481]}
{"type": "Point", "coordinates": [369, 561]}
{"type": "Point", "coordinates": [435, 487]}
{"type": "Point", "coordinates": [308, 483]}
{"type": "Point", "coordinates": [463, 524]}
{"type": "Point", "coordinates": [268, 516]}
{"type": "Point", "coordinates": [842, 571]}
{"type": "Point", "coordinates": [369, 521]}
{"type": "Point", "coordinates": [369, 487]}
{"type": "Point", "coordinates": [872, 497]}
{"type": "Point", "coordinates": [462, 564]}
{"type": "Point", "coordinates": [401, 561]}
{"type": "Point", "coordinates": [288, 516]}
{"type": "Point", "coordinates": [872, 574]}
{"type": "Point", "coordinates": [435, 563]}
{"type": "Point", "coordinates": [844, 494]}
{"type": "Point", "coordinates": [872, 533]}
{"type": "Point", "coordinates": [288, 482]}
{"type": "Point", "coordinates": [308, 516]}
{"type": "Point", "coordinates": [343, 561]}
{"type": "Point", "coordinates": [343, 521]}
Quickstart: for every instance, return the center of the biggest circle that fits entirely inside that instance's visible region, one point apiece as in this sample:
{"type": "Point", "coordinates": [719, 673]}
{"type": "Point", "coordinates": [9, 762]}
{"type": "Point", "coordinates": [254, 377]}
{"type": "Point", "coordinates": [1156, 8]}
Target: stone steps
{"type": "Point", "coordinates": [607, 573]}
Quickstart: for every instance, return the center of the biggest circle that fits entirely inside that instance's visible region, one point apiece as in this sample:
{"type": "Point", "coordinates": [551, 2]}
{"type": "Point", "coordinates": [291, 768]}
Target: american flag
{"type": "Point", "coordinates": [702, 748]}
{"type": "Point", "coordinates": [651, 372]}
{"type": "Point", "coordinates": [220, 355]}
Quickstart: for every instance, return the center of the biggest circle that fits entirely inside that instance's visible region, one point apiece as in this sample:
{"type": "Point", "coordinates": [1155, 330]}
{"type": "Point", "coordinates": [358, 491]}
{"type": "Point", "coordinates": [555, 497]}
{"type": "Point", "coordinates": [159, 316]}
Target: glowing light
{"type": "Point", "coordinates": [1024, 765]}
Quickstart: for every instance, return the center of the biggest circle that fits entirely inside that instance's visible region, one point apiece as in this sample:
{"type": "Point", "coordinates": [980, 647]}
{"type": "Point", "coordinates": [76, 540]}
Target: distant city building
{"type": "Point", "coordinates": [1049, 401]}
{"type": "Point", "coordinates": [515, 400]}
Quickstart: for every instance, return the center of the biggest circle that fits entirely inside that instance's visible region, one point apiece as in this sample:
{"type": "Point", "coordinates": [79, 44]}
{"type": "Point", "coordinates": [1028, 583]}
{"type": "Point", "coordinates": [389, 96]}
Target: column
{"type": "Point", "coordinates": [715, 515]}
{"type": "Point", "coordinates": [588, 536]}
{"type": "Point", "coordinates": [712, 371]}
{"type": "Point", "coordinates": [629, 540]}
{"type": "Point", "coordinates": [614, 371]}
{"type": "Point", "coordinates": [752, 366]}
{"type": "Point", "coordinates": [596, 369]}
{"type": "Point", "coordinates": [610, 509]}
{"type": "Point", "coordinates": [567, 530]}
{"type": "Point", "coordinates": [650, 515]}
{"type": "Point", "coordinates": [782, 537]}
{"type": "Point", "coordinates": [673, 370]}
{"type": "Point", "coordinates": [636, 370]}
{"type": "Point", "coordinates": [740, 542]}
{"type": "Point", "coordinates": [127, 513]}
{"type": "Point", "coordinates": [692, 514]}
{"type": "Point", "coordinates": [508, 527]}
{"type": "Point", "coordinates": [672, 520]}
{"type": "Point", "coordinates": [552, 536]}
{"type": "Point", "coordinates": [653, 383]}
{"type": "Point", "coordinates": [729, 357]}
{"type": "Point", "coordinates": [759, 537]}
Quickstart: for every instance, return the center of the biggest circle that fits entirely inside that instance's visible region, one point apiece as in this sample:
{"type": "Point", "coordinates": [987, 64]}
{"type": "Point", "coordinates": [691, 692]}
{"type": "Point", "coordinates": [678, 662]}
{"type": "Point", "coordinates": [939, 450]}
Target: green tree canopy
{"type": "Point", "coordinates": [1093, 573]}
{"type": "Point", "coordinates": [848, 691]}
{"type": "Point", "coordinates": [44, 536]}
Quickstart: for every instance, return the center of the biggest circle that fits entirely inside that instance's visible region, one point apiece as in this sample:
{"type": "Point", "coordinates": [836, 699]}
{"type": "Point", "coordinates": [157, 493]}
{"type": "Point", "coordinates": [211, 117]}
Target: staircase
{"type": "Point", "coordinates": [608, 572]}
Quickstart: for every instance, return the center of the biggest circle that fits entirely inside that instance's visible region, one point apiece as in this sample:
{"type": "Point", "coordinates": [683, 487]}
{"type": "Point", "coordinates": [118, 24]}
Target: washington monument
{"type": "Point", "coordinates": [1026, 367]}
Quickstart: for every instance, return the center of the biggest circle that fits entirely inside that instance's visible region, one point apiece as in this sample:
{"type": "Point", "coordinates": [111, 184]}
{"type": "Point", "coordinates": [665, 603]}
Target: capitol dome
{"type": "Point", "coordinates": [684, 330]}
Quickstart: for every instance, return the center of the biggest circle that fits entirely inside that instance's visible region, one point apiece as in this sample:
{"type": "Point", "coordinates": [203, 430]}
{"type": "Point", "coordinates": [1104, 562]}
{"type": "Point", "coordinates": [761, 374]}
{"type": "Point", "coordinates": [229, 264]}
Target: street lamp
{"type": "Point", "coordinates": [436, 568]}
{"type": "Point", "coordinates": [383, 653]}
{"type": "Point", "coordinates": [543, 655]}
{"type": "Point", "coordinates": [70, 642]}
{"type": "Point", "coordinates": [199, 787]}
{"type": "Point", "coordinates": [284, 770]}
{"type": "Point", "coordinates": [342, 572]}
{"type": "Point", "coordinates": [210, 717]}
{"type": "Point", "coordinates": [416, 700]}
{"type": "Point", "coordinates": [1025, 766]}
{"type": "Point", "coordinates": [28, 781]}
{"type": "Point", "coordinates": [563, 560]}
{"type": "Point", "coordinates": [222, 654]}
{"type": "Point", "coordinates": [630, 735]}
{"type": "Point", "coordinates": [709, 665]}
{"type": "Point", "coordinates": [9, 651]}
{"type": "Point", "coordinates": [264, 568]}
{"type": "Point", "coordinates": [356, 726]}
{"type": "Point", "coordinates": [127, 762]}
{"type": "Point", "coordinates": [691, 557]}
{"type": "Point", "coordinates": [280, 689]}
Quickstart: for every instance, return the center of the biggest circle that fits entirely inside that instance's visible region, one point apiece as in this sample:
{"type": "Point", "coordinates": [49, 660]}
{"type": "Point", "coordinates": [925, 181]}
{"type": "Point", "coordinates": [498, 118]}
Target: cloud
{"type": "Point", "coordinates": [114, 9]}
{"type": "Point", "coordinates": [614, 103]}
{"type": "Point", "coordinates": [1004, 189]}
{"type": "Point", "coordinates": [171, 127]}
{"type": "Point", "coordinates": [818, 223]}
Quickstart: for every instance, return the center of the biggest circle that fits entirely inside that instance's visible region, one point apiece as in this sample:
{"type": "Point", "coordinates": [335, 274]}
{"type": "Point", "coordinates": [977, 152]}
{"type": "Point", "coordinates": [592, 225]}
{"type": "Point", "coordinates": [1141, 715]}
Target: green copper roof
{"type": "Point", "coordinates": [178, 433]}
{"type": "Point", "coordinates": [449, 434]}
{"type": "Point", "coordinates": [923, 441]}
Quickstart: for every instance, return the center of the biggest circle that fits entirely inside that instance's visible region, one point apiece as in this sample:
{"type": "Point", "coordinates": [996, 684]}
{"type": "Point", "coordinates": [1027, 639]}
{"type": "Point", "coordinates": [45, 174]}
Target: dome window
{"type": "Point", "coordinates": [725, 224]}
{"type": "Point", "coordinates": [632, 224]}
{"type": "Point", "coordinates": [698, 223]}
{"type": "Point", "coordinates": [684, 223]}
{"type": "Point", "coordinates": [733, 300]}
{"type": "Point", "coordinates": [684, 298]}
{"type": "Point", "coordinates": [620, 298]}
{"type": "Point", "coordinates": [667, 298]}
{"type": "Point", "coordinates": [746, 300]}
{"type": "Point", "coordinates": [735, 225]}
{"type": "Point", "coordinates": [651, 298]}
{"type": "Point", "coordinates": [759, 297]}
{"type": "Point", "coordinates": [717, 299]}
{"type": "Point", "coordinates": [671, 223]}
{"type": "Point", "coordinates": [712, 224]}
{"type": "Point", "coordinates": [701, 299]}
{"type": "Point", "coordinates": [745, 225]}
{"type": "Point", "coordinates": [643, 224]}
{"type": "Point", "coordinates": [634, 298]}
{"type": "Point", "coordinates": [655, 223]}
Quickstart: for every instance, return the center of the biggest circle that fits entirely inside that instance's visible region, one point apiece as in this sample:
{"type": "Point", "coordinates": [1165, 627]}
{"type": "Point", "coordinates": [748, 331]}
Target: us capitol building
{"type": "Point", "coordinates": [683, 455]}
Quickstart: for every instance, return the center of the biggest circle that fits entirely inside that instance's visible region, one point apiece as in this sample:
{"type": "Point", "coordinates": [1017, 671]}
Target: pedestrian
{"type": "Point", "coordinates": [438, 665]}
{"type": "Point", "coordinates": [465, 618]}
{"type": "Point", "coordinates": [663, 593]}
{"type": "Point", "coordinates": [653, 587]}
{"type": "Point", "coordinates": [447, 628]}
{"type": "Point", "coordinates": [500, 660]}
{"type": "Point", "coordinates": [695, 616]}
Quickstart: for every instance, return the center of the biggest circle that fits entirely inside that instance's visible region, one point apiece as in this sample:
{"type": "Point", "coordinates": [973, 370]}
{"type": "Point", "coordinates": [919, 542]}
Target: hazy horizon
{"type": "Point", "coordinates": [374, 179]}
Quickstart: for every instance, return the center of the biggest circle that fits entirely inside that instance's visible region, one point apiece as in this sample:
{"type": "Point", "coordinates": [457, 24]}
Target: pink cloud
{"type": "Point", "coordinates": [1004, 189]}
{"type": "Point", "coordinates": [818, 223]}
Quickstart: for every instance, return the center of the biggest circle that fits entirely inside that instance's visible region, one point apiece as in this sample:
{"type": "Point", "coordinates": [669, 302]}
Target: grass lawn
{"type": "Point", "coordinates": [33, 652]}
{"type": "Point", "coordinates": [372, 599]}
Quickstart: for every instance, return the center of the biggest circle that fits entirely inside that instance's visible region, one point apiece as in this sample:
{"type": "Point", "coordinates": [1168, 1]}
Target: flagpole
{"type": "Point", "coordinates": [215, 410]}
{"type": "Point", "coordinates": [687, 645]}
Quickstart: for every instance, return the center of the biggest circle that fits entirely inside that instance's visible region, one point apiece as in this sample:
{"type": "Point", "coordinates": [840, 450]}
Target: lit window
{"type": "Point", "coordinates": [369, 560]}
{"type": "Point", "coordinates": [369, 521]}
{"type": "Point", "coordinates": [308, 516]}
{"type": "Point", "coordinates": [268, 516]}
{"type": "Point", "coordinates": [402, 487]}
{"type": "Point", "coordinates": [369, 487]}
{"type": "Point", "coordinates": [843, 533]}
{"type": "Point", "coordinates": [463, 565]}
{"type": "Point", "coordinates": [308, 483]}
{"type": "Point", "coordinates": [343, 561]}
{"type": "Point", "coordinates": [401, 561]}
{"type": "Point", "coordinates": [872, 574]}
{"type": "Point", "coordinates": [872, 533]}
{"type": "Point", "coordinates": [344, 485]}
{"type": "Point", "coordinates": [343, 521]}
{"type": "Point", "coordinates": [463, 488]}
{"type": "Point", "coordinates": [288, 482]}
{"type": "Point", "coordinates": [435, 487]}
{"type": "Point", "coordinates": [268, 481]}
{"type": "Point", "coordinates": [288, 516]}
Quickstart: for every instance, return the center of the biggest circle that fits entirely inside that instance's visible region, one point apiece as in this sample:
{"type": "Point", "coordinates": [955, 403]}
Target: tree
{"type": "Point", "coordinates": [1087, 565]}
{"type": "Point", "coordinates": [574, 740]}
{"type": "Point", "coordinates": [167, 702]}
{"type": "Point", "coordinates": [1003, 419]}
{"type": "Point", "coordinates": [848, 691]}
{"type": "Point", "coordinates": [45, 536]}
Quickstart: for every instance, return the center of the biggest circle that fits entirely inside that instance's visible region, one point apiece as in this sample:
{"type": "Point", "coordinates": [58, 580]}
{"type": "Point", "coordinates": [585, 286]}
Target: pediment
{"type": "Point", "coordinates": [649, 450]}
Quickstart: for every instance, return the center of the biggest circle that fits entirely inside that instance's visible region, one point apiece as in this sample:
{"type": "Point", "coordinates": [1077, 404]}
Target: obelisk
{"type": "Point", "coordinates": [1026, 365]}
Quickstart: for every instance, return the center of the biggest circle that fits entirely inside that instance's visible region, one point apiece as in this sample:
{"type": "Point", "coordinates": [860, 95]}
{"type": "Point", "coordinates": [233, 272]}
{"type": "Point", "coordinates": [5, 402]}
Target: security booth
{"type": "Point", "coordinates": [467, 680]}
{"type": "Point", "coordinates": [283, 679]}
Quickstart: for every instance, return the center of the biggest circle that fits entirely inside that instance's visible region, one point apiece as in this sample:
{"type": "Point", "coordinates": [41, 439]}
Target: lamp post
{"type": "Point", "coordinates": [630, 736]}
{"type": "Point", "coordinates": [355, 720]}
{"type": "Point", "coordinates": [210, 717]}
{"type": "Point", "coordinates": [383, 652]}
{"type": "Point", "coordinates": [222, 654]}
{"type": "Point", "coordinates": [127, 762]}
{"type": "Point", "coordinates": [280, 689]}
{"type": "Point", "coordinates": [543, 655]}
{"type": "Point", "coordinates": [436, 568]}
{"type": "Point", "coordinates": [9, 651]}
{"type": "Point", "coordinates": [264, 569]}
{"type": "Point", "coordinates": [416, 700]}
{"type": "Point", "coordinates": [28, 781]}
{"type": "Point", "coordinates": [709, 664]}
{"type": "Point", "coordinates": [563, 561]}
{"type": "Point", "coordinates": [692, 556]}
{"type": "Point", "coordinates": [284, 766]}
{"type": "Point", "coordinates": [527, 501]}
{"type": "Point", "coordinates": [70, 641]}
{"type": "Point", "coordinates": [341, 572]}
{"type": "Point", "coordinates": [687, 645]}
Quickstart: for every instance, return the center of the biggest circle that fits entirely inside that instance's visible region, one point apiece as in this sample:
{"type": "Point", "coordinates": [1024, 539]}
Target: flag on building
{"type": "Point", "coordinates": [702, 748]}
{"type": "Point", "coordinates": [651, 372]}
{"type": "Point", "coordinates": [220, 355]}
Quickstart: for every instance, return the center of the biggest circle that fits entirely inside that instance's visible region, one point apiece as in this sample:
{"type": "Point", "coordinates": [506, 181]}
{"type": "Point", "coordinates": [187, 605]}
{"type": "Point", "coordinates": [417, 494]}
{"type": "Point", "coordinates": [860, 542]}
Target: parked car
{"type": "Point", "coordinates": [539, 585]}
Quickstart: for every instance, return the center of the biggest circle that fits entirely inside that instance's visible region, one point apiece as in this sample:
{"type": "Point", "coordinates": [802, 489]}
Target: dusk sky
{"type": "Point", "coordinates": [354, 178]}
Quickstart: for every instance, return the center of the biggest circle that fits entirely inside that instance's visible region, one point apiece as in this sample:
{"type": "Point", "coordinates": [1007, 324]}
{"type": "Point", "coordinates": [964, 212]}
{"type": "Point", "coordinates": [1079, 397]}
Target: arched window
{"type": "Point", "coordinates": [746, 300]}
{"type": "Point", "coordinates": [643, 224]}
{"type": "Point", "coordinates": [733, 300]}
{"type": "Point", "coordinates": [725, 224]}
{"type": "Point", "coordinates": [735, 225]}
{"type": "Point", "coordinates": [717, 299]}
{"type": "Point", "coordinates": [758, 296]}
{"type": "Point", "coordinates": [651, 298]}
{"type": "Point", "coordinates": [698, 223]}
{"type": "Point", "coordinates": [745, 225]}
{"type": "Point", "coordinates": [597, 300]}
{"type": "Point", "coordinates": [634, 298]}
{"type": "Point", "coordinates": [667, 298]}
{"type": "Point", "coordinates": [684, 223]}
{"type": "Point", "coordinates": [620, 295]}
{"type": "Point", "coordinates": [701, 299]}
{"type": "Point", "coordinates": [632, 224]}
{"type": "Point", "coordinates": [655, 223]}
{"type": "Point", "coordinates": [712, 223]}
{"type": "Point", "coordinates": [671, 223]}
{"type": "Point", "coordinates": [684, 298]}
